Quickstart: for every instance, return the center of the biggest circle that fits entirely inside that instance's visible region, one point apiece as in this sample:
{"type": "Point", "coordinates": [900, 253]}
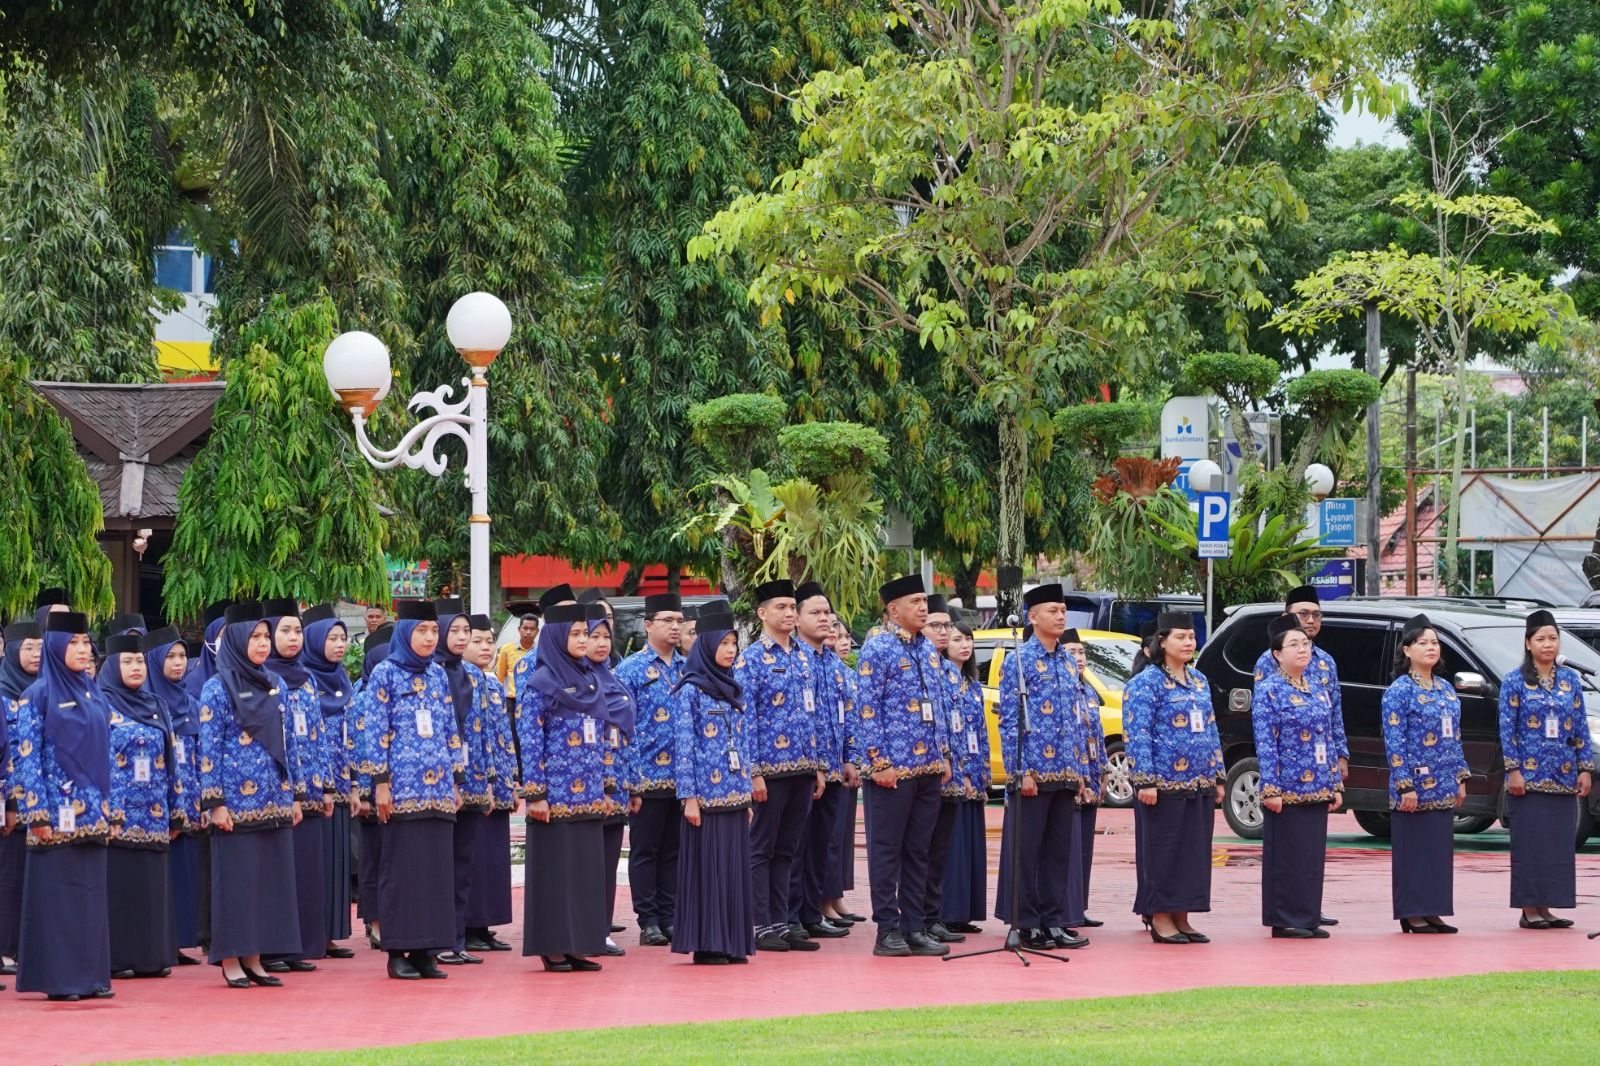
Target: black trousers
{"type": "Point", "coordinates": [944, 827]}
{"type": "Point", "coordinates": [1048, 851]}
{"type": "Point", "coordinates": [653, 859]}
{"type": "Point", "coordinates": [463, 849]}
{"type": "Point", "coordinates": [899, 832]}
{"type": "Point", "coordinates": [806, 883]}
{"type": "Point", "coordinates": [775, 836]}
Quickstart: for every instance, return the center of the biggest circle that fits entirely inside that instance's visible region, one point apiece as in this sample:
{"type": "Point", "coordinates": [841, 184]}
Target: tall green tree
{"type": "Point", "coordinates": [278, 502]}
{"type": "Point", "coordinates": [1039, 187]}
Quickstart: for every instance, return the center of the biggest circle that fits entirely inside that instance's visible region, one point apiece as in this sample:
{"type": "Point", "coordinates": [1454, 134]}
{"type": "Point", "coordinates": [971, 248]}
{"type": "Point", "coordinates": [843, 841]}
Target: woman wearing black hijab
{"type": "Point", "coordinates": [249, 780]}
{"type": "Point", "coordinates": [563, 743]}
{"type": "Point", "coordinates": [62, 774]}
{"type": "Point", "coordinates": [326, 641]}
{"type": "Point", "coordinates": [19, 670]}
{"type": "Point", "coordinates": [716, 911]}
{"type": "Point", "coordinates": [147, 800]}
{"type": "Point", "coordinates": [168, 662]}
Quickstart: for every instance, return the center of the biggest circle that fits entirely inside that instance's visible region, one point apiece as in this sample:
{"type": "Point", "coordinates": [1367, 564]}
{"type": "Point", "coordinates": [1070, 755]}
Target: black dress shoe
{"type": "Point", "coordinates": [165, 971]}
{"type": "Point", "coordinates": [827, 930]}
{"type": "Point", "coordinates": [616, 927]}
{"type": "Point", "coordinates": [849, 917]}
{"type": "Point", "coordinates": [122, 975]}
{"type": "Point", "coordinates": [297, 966]}
{"type": "Point", "coordinates": [1441, 927]}
{"type": "Point", "coordinates": [496, 944]}
{"type": "Point", "coordinates": [1091, 923]}
{"type": "Point", "coordinates": [1323, 919]}
{"type": "Point", "coordinates": [183, 960]}
{"type": "Point", "coordinates": [800, 942]}
{"type": "Point", "coordinates": [457, 958]}
{"type": "Point", "coordinates": [400, 969]}
{"type": "Point", "coordinates": [1534, 923]}
{"type": "Point", "coordinates": [582, 965]}
{"type": "Point", "coordinates": [613, 950]}
{"type": "Point", "coordinates": [1291, 933]}
{"type": "Point", "coordinates": [921, 943]}
{"type": "Point", "coordinates": [1425, 927]}
{"type": "Point", "coordinates": [1560, 923]}
{"type": "Point", "coordinates": [54, 998]}
{"type": "Point", "coordinates": [709, 958]}
{"type": "Point", "coordinates": [334, 951]}
{"type": "Point", "coordinates": [265, 980]}
{"type": "Point", "coordinates": [236, 982]}
{"type": "Point", "coordinates": [1320, 934]}
{"type": "Point", "coordinates": [889, 945]}
{"type": "Point", "coordinates": [476, 943]}
{"type": "Point", "coordinates": [944, 934]}
{"type": "Point", "coordinates": [561, 965]}
{"type": "Point", "coordinates": [1195, 936]}
{"type": "Point", "coordinates": [771, 942]}
{"type": "Point", "coordinates": [1038, 940]}
{"type": "Point", "coordinates": [1066, 938]}
{"type": "Point", "coordinates": [9, 969]}
{"type": "Point", "coordinates": [276, 966]}
{"type": "Point", "coordinates": [965, 927]}
{"type": "Point", "coordinates": [652, 937]}
{"type": "Point", "coordinates": [102, 993]}
{"type": "Point", "coordinates": [427, 967]}
{"type": "Point", "coordinates": [795, 930]}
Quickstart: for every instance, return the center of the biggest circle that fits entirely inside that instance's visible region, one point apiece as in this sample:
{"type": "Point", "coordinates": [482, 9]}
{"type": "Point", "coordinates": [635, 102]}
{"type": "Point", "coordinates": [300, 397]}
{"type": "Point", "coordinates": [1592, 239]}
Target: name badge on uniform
{"type": "Point", "coordinates": [972, 742]}
{"type": "Point", "coordinates": [1552, 727]}
{"type": "Point", "coordinates": [299, 723]}
{"type": "Point", "coordinates": [178, 750]}
{"type": "Point", "coordinates": [615, 736]}
{"type": "Point", "coordinates": [955, 721]}
{"type": "Point", "coordinates": [141, 770]}
{"type": "Point", "coordinates": [811, 700]}
{"type": "Point", "coordinates": [841, 712]}
{"type": "Point", "coordinates": [1197, 721]}
{"type": "Point", "coordinates": [66, 819]}
{"type": "Point", "coordinates": [588, 730]}
{"type": "Point", "coordinates": [733, 759]}
{"type": "Point", "coordinates": [927, 710]}
{"type": "Point", "coordinates": [1447, 726]}
{"type": "Point", "coordinates": [1322, 753]}
{"type": "Point", "coordinates": [424, 722]}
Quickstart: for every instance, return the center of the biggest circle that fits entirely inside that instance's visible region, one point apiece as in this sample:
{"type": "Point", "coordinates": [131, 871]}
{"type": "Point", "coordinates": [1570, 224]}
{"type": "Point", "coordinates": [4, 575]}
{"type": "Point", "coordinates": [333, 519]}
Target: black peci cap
{"type": "Point", "coordinates": [50, 597]}
{"type": "Point", "coordinates": [937, 604]}
{"type": "Point", "coordinates": [1537, 621]}
{"type": "Point", "coordinates": [247, 611]}
{"type": "Point", "coordinates": [164, 635]}
{"type": "Point", "coordinates": [124, 644]}
{"type": "Point", "coordinates": [1303, 594]}
{"type": "Point", "coordinates": [1284, 623]}
{"type": "Point", "coordinates": [808, 590]}
{"type": "Point", "coordinates": [909, 585]}
{"type": "Point", "coordinates": [1051, 593]}
{"type": "Point", "coordinates": [217, 610]}
{"type": "Point", "coordinates": [567, 612]}
{"type": "Point", "coordinates": [1169, 620]}
{"type": "Point", "coordinates": [23, 631]}
{"type": "Point", "coordinates": [122, 623]}
{"type": "Point", "coordinates": [281, 607]}
{"type": "Point", "coordinates": [416, 611]}
{"type": "Point", "coordinates": [480, 621]}
{"type": "Point", "coordinates": [774, 590]}
{"type": "Point", "coordinates": [322, 612]}
{"type": "Point", "coordinates": [662, 601]}
{"type": "Point", "coordinates": [1071, 637]}
{"type": "Point", "coordinates": [73, 622]}
{"type": "Point", "coordinates": [555, 594]}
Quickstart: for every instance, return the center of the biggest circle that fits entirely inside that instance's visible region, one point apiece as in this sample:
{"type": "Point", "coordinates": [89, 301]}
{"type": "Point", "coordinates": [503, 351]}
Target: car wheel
{"type": "Point", "coordinates": [1117, 786]}
{"type": "Point", "coordinates": [1375, 822]}
{"type": "Point", "coordinates": [1468, 824]}
{"type": "Point", "coordinates": [1242, 799]}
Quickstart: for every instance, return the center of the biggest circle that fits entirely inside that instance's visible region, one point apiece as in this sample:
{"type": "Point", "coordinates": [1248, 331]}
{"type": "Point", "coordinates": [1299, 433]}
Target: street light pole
{"type": "Point", "coordinates": [357, 367]}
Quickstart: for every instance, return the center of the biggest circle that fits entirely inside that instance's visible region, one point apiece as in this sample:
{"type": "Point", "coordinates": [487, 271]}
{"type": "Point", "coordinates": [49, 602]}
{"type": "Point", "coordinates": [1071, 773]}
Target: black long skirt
{"type": "Point", "coordinates": [1544, 847]}
{"type": "Point", "coordinates": [254, 907]}
{"type": "Point", "coordinates": [371, 858]}
{"type": "Point", "coordinates": [138, 885]}
{"type": "Point", "coordinates": [202, 906]}
{"type": "Point", "coordinates": [1293, 854]}
{"type": "Point", "coordinates": [1172, 846]}
{"type": "Point", "coordinates": [417, 885]}
{"type": "Point", "coordinates": [13, 855]}
{"type": "Point", "coordinates": [183, 863]}
{"type": "Point", "coordinates": [841, 876]}
{"type": "Point", "coordinates": [490, 903]}
{"type": "Point", "coordinates": [564, 889]}
{"type": "Point", "coordinates": [1422, 863]}
{"type": "Point", "coordinates": [611, 835]}
{"type": "Point", "coordinates": [336, 872]}
{"type": "Point", "coordinates": [716, 907]}
{"type": "Point", "coordinates": [65, 945]}
{"type": "Point", "coordinates": [310, 887]}
{"type": "Point", "coordinates": [966, 868]}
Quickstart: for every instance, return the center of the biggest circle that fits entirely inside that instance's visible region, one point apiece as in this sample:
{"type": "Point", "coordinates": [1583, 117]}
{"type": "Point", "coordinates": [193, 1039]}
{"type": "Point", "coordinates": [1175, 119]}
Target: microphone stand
{"type": "Point", "coordinates": [1013, 941]}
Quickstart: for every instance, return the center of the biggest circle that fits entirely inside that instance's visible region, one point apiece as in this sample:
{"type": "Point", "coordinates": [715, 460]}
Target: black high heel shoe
{"type": "Point", "coordinates": [1426, 927]}
{"type": "Point", "coordinates": [582, 965]}
{"type": "Point", "coordinates": [560, 965]}
{"type": "Point", "coordinates": [1441, 927]}
{"type": "Point", "coordinates": [1157, 938]}
{"type": "Point", "coordinates": [265, 980]}
{"type": "Point", "coordinates": [1195, 936]}
{"type": "Point", "coordinates": [1534, 923]}
{"type": "Point", "coordinates": [235, 982]}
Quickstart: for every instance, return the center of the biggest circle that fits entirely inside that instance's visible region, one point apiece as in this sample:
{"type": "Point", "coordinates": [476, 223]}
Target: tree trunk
{"type": "Point", "coordinates": [674, 579]}
{"type": "Point", "coordinates": [965, 575]}
{"type": "Point", "coordinates": [630, 580]}
{"type": "Point", "coordinates": [1013, 479]}
{"type": "Point", "coordinates": [1458, 460]}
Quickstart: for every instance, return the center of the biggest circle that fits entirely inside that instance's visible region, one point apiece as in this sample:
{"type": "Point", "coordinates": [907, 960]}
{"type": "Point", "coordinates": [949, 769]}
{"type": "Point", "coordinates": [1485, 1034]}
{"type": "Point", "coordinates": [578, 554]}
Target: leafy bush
{"type": "Point", "coordinates": [738, 430]}
{"type": "Point", "coordinates": [823, 450]}
{"type": "Point", "coordinates": [1102, 430]}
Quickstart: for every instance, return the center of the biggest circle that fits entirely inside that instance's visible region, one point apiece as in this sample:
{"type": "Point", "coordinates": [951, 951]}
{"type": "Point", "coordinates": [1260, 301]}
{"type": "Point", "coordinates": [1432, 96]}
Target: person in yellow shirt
{"type": "Point", "coordinates": [505, 661]}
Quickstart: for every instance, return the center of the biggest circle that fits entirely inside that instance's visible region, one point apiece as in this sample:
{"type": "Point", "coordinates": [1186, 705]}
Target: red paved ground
{"type": "Point", "coordinates": [352, 1004]}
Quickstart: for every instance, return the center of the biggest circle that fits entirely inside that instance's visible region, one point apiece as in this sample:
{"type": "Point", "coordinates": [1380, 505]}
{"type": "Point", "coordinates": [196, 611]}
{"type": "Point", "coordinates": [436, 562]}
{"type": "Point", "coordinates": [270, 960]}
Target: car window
{"type": "Point", "coordinates": [1590, 635]}
{"type": "Point", "coordinates": [1111, 661]}
{"type": "Point", "coordinates": [983, 654]}
{"type": "Point", "coordinates": [1081, 613]}
{"type": "Point", "coordinates": [1452, 660]}
{"type": "Point", "coordinates": [1131, 616]}
{"type": "Point", "coordinates": [1357, 650]}
{"type": "Point", "coordinates": [1247, 639]}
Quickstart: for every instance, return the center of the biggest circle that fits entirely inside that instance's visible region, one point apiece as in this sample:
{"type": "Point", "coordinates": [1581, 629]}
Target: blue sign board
{"type": "Point", "coordinates": [1336, 579]}
{"type": "Point", "coordinates": [1339, 523]}
{"type": "Point", "coordinates": [1213, 518]}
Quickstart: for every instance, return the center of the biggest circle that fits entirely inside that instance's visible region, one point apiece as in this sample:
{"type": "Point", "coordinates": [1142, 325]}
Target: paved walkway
{"type": "Point", "coordinates": [348, 1004]}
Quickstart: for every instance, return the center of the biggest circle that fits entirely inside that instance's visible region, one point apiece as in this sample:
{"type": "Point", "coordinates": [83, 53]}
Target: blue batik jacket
{"type": "Point", "coordinates": [563, 759]}
{"type": "Point", "coordinates": [902, 720]}
{"type": "Point", "coordinates": [1295, 739]}
{"type": "Point", "coordinates": [406, 735]}
{"type": "Point", "coordinates": [1324, 672]}
{"type": "Point", "coordinates": [1544, 731]}
{"type": "Point", "coordinates": [236, 772]}
{"type": "Point", "coordinates": [1055, 752]}
{"type": "Point", "coordinates": [1170, 732]}
{"type": "Point", "coordinates": [1422, 738]}
{"type": "Point", "coordinates": [147, 797]}
{"type": "Point", "coordinates": [713, 749]}
{"type": "Point", "coordinates": [42, 788]}
{"type": "Point", "coordinates": [780, 699]}
{"type": "Point", "coordinates": [650, 767]}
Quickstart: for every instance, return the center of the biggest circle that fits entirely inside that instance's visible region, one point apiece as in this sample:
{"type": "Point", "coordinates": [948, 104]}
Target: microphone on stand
{"type": "Point", "coordinates": [1586, 671]}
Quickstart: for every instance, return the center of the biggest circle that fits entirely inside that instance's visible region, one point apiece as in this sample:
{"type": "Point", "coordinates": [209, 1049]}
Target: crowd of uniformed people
{"type": "Point", "coordinates": [163, 811]}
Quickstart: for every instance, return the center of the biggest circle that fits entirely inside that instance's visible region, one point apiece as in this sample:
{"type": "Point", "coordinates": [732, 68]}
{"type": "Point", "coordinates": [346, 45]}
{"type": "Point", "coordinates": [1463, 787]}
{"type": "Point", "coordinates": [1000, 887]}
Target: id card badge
{"type": "Point", "coordinates": [1552, 727]}
{"type": "Point", "coordinates": [1447, 726]}
{"type": "Point", "coordinates": [424, 722]}
{"type": "Point", "coordinates": [588, 730]}
{"type": "Point", "coordinates": [811, 700]}
{"type": "Point", "coordinates": [66, 819]}
{"type": "Point", "coordinates": [141, 770]}
{"type": "Point", "coordinates": [1322, 753]}
{"type": "Point", "coordinates": [972, 742]}
{"type": "Point", "coordinates": [179, 752]}
{"type": "Point", "coordinates": [299, 723]}
{"type": "Point", "coordinates": [1197, 721]}
{"type": "Point", "coordinates": [955, 721]}
{"type": "Point", "coordinates": [614, 735]}
{"type": "Point", "coordinates": [733, 759]}
{"type": "Point", "coordinates": [841, 712]}
{"type": "Point", "coordinates": [927, 710]}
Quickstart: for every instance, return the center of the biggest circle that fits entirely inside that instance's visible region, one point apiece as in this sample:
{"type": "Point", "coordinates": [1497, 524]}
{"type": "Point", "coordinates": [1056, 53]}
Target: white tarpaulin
{"type": "Point", "coordinates": [1540, 567]}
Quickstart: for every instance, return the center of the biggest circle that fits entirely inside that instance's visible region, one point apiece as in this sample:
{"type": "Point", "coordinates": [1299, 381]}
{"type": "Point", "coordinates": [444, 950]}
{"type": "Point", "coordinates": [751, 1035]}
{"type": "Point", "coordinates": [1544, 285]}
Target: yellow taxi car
{"type": "Point", "coordinates": [1110, 661]}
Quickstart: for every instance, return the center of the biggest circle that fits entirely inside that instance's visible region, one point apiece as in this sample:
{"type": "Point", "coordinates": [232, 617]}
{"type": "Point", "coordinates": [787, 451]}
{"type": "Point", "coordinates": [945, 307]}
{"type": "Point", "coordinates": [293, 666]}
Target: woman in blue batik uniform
{"type": "Point", "coordinates": [466, 696]}
{"type": "Point", "coordinates": [1175, 766]}
{"type": "Point", "coordinates": [490, 903]}
{"type": "Point", "coordinates": [409, 748]}
{"type": "Point", "coordinates": [966, 869]}
{"type": "Point", "coordinates": [167, 662]}
{"type": "Point", "coordinates": [1300, 784]}
{"type": "Point", "coordinates": [314, 753]}
{"type": "Point", "coordinates": [1549, 760]}
{"type": "Point", "coordinates": [20, 669]}
{"type": "Point", "coordinates": [326, 641]}
{"type": "Point", "coordinates": [250, 784]}
{"type": "Point", "coordinates": [61, 760]}
{"type": "Point", "coordinates": [1427, 781]}
{"type": "Point", "coordinates": [147, 798]}
{"type": "Point", "coordinates": [563, 744]}
{"type": "Point", "coordinates": [713, 745]}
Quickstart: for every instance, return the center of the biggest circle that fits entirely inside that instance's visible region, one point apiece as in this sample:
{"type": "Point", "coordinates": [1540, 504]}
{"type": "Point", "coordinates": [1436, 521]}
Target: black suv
{"type": "Point", "coordinates": [1481, 645]}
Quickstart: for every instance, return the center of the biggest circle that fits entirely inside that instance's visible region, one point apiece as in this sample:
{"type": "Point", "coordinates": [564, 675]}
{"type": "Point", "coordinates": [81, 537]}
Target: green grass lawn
{"type": "Point", "coordinates": [1526, 1017]}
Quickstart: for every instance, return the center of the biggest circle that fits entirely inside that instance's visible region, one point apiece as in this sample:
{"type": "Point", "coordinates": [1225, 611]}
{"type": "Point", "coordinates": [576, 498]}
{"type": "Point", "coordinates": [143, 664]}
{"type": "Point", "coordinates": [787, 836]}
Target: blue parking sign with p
{"type": "Point", "coordinates": [1213, 518]}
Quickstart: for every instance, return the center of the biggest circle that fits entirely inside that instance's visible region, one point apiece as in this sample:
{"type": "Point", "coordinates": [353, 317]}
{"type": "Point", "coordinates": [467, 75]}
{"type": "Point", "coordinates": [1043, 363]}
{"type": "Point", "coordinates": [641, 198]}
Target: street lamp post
{"type": "Point", "coordinates": [357, 368]}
